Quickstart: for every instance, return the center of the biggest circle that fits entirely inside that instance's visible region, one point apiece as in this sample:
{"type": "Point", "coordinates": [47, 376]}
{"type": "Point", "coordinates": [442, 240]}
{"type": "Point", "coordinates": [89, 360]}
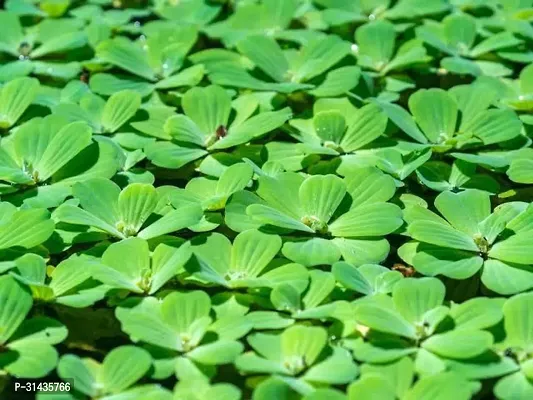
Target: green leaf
{"type": "Point", "coordinates": [460, 31]}
{"type": "Point", "coordinates": [514, 250]}
{"type": "Point", "coordinates": [320, 195]}
{"type": "Point", "coordinates": [441, 235]}
{"type": "Point", "coordinates": [337, 369]}
{"type": "Point", "coordinates": [338, 82]}
{"type": "Point", "coordinates": [16, 302]}
{"type": "Point", "coordinates": [25, 228]}
{"type": "Point", "coordinates": [368, 123]}
{"type": "Point", "coordinates": [123, 366]}
{"type": "Point", "coordinates": [518, 320]}
{"type": "Point", "coordinates": [403, 120]}
{"type": "Point", "coordinates": [465, 210]}
{"type": "Point", "coordinates": [108, 84]}
{"type": "Point", "coordinates": [15, 97]}
{"type": "Point", "coordinates": [370, 387]}
{"type": "Point", "coordinates": [514, 386]}
{"type": "Point", "coordinates": [376, 42]}
{"type": "Point", "coordinates": [266, 54]}
{"type": "Point", "coordinates": [368, 185]}
{"type": "Point", "coordinates": [33, 359]}
{"type": "Point", "coordinates": [441, 386]}
{"type": "Point", "coordinates": [368, 220]}
{"type": "Point", "coordinates": [73, 367]}
{"type": "Point", "coordinates": [384, 320]}
{"type": "Point", "coordinates": [252, 251]}
{"type": "Point", "coordinates": [182, 310]}
{"type": "Point", "coordinates": [495, 126]}
{"type": "Point", "coordinates": [62, 43]}
{"type": "Point", "coordinates": [182, 217]}
{"type": "Point", "coordinates": [208, 107]}
{"type": "Point", "coordinates": [126, 55]}
{"type": "Point", "coordinates": [459, 344]}
{"type": "Point", "coordinates": [62, 148]}
{"type": "Point", "coordinates": [302, 343]}
{"type": "Point", "coordinates": [269, 215]}
{"type": "Point", "coordinates": [167, 261]}
{"type": "Point", "coordinates": [219, 352]}
{"type": "Point", "coordinates": [170, 155]}
{"type": "Point", "coordinates": [252, 128]}
{"type": "Point", "coordinates": [144, 322]}
{"type": "Point", "coordinates": [10, 32]}
{"type": "Point", "coordinates": [285, 297]}
{"type": "Point", "coordinates": [312, 252]}
{"type": "Point", "coordinates": [413, 298]}
{"type": "Point", "coordinates": [191, 76]}
{"type": "Point", "coordinates": [329, 125]}
{"type": "Point", "coordinates": [505, 278]}
{"type": "Point", "coordinates": [135, 204]}
{"type": "Point", "coordinates": [234, 179]}
{"type": "Point", "coordinates": [477, 313]}
{"type": "Point", "coordinates": [99, 197]}
{"type": "Point", "coordinates": [435, 111]}
{"type": "Point", "coordinates": [120, 107]}
{"type": "Point", "coordinates": [399, 375]}
{"type": "Point", "coordinates": [125, 263]}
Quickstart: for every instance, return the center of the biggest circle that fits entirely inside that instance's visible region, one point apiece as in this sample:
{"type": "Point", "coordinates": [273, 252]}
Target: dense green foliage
{"type": "Point", "coordinates": [267, 199]}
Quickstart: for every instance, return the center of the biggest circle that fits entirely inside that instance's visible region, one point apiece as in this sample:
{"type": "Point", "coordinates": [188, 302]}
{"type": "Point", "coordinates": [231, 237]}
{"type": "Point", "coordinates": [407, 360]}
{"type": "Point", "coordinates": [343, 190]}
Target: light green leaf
{"type": "Point", "coordinates": [126, 55]}
{"type": "Point", "coordinates": [120, 107]}
{"type": "Point", "coordinates": [320, 195]}
{"type": "Point", "coordinates": [368, 220]}
{"type": "Point", "coordinates": [435, 111]}
{"type": "Point", "coordinates": [15, 97]}
{"type": "Point", "coordinates": [15, 303]}
{"type": "Point", "coordinates": [266, 54]}
{"type": "Point", "coordinates": [459, 344]}
{"type": "Point", "coordinates": [123, 366]}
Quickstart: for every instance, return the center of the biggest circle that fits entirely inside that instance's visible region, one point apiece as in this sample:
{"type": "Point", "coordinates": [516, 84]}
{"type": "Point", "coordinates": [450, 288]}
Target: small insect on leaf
{"type": "Point", "coordinates": [221, 132]}
{"type": "Point", "coordinates": [84, 76]}
{"type": "Point", "coordinates": [404, 270]}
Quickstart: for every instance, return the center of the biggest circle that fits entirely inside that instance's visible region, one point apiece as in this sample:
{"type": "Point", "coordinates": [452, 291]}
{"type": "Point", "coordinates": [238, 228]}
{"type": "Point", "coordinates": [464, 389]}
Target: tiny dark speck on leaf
{"type": "Point", "coordinates": [84, 76]}
{"type": "Point", "coordinates": [221, 132]}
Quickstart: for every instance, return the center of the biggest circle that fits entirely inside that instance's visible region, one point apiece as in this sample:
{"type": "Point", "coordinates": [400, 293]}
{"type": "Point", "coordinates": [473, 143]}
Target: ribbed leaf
{"type": "Point", "coordinates": [266, 54]}
{"type": "Point", "coordinates": [254, 127]}
{"type": "Point", "coordinates": [435, 111]}
{"type": "Point", "coordinates": [135, 204]}
{"type": "Point", "coordinates": [384, 320]}
{"type": "Point", "coordinates": [320, 195]}
{"type": "Point", "coordinates": [415, 297]}
{"type": "Point", "coordinates": [120, 107]}
{"type": "Point", "coordinates": [252, 251]}
{"type": "Point", "coordinates": [126, 55]}
{"type": "Point", "coordinates": [376, 42]}
{"type": "Point", "coordinates": [464, 210]}
{"type": "Point", "coordinates": [15, 98]}
{"type": "Point", "coordinates": [183, 217]}
{"type": "Point", "coordinates": [329, 125]}
{"type": "Point", "coordinates": [124, 366]}
{"type": "Point", "coordinates": [369, 123]}
{"type": "Point", "coordinates": [233, 179]}
{"type": "Point", "coordinates": [516, 249]}
{"type": "Point", "coordinates": [61, 43]}
{"type": "Point", "coordinates": [369, 220]}
{"type": "Point", "coordinates": [25, 228]}
{"type": "Point", "coordinates": [303, 342]}
{"type": "Point", "coordinates": [63, 147]}
{"type": "Point", "coordinates": [99, 197]}
{"type": "Point", "coordinates": [15, 303]}
{"type": "Point", "coordinates": [441, 235]}
{"type": "Point", "coordinates": [208, 107]}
